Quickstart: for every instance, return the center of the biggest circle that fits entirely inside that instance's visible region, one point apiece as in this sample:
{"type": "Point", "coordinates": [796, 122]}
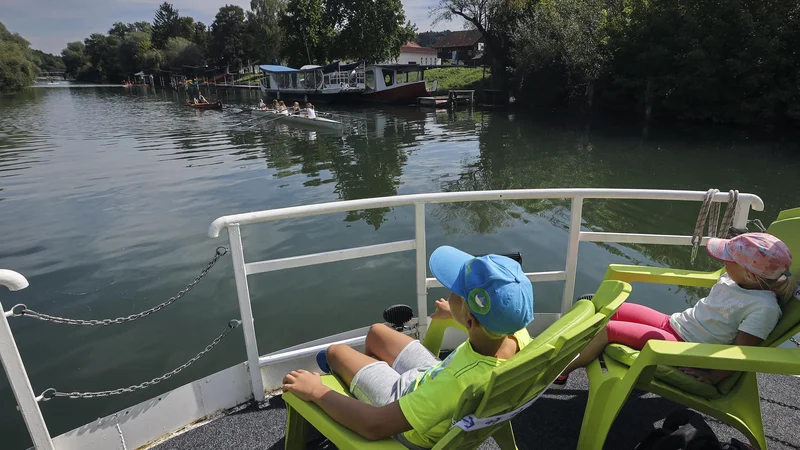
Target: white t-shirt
{"type": "Point", "coordinates": [311, 113]}
{"type": "Point", "coordinates": [727, 310]}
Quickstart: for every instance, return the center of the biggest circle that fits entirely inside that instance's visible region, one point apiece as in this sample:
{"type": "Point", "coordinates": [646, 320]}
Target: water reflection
{"type": "Point", "coordinates": [107, 192]}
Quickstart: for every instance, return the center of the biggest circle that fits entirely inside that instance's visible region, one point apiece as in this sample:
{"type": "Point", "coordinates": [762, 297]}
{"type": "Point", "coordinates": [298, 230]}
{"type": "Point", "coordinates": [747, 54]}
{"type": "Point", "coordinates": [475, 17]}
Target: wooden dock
{"type": "Point", "coordinates": [454, 97]}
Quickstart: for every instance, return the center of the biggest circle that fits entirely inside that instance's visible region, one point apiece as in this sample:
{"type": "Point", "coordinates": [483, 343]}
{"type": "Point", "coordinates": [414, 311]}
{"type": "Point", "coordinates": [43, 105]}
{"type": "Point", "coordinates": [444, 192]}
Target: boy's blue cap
{"type": "Point", "coordinates": [496, 289]}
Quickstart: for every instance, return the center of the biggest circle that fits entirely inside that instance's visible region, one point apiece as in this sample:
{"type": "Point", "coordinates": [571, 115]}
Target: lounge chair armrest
{"type": "Point", "coordinates": [661, 275]}
{"type": "Point", "coordinates": [719, 357]}
{"type": "Point", "coordinates": [435, 333]}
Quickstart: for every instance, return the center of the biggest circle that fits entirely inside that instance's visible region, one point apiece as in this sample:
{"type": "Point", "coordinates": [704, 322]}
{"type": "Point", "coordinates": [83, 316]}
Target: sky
{"type": "Point", "coordinates": [50, 24]}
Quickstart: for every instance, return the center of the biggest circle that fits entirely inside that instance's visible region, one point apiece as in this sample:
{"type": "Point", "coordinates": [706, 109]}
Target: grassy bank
{"type": "Point", "coordinates": [458, 78]}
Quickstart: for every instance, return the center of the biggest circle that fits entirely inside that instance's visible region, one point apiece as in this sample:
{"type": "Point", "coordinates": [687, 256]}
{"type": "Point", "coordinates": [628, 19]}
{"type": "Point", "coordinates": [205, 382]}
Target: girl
{"type": "Point", "coordinates": [310, 113]}
{"type": "Point", "coordinates": [742, 308]}
{"type": "Point", "coordinates": [296, 108]}
{"type": "Point", "coordinates": [262, 105]}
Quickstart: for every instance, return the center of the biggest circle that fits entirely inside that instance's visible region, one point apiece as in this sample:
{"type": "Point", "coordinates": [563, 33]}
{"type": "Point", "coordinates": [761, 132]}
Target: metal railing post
{"type": "Point", "coordinates": [246, 312]}
{"type": "Point", "coordinates": [572, 253]}
{"type": "Point", "coordinates": [421, 266]}
{"type": "Point", "coordinates": [15, 371]}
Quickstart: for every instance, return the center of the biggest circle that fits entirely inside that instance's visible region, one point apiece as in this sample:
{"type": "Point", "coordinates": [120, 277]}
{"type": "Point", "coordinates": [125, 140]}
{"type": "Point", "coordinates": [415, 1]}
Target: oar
{"type": "Point", "coordinates": [341, 115]}
{"type": "Point", "coordinates": [271, 120]}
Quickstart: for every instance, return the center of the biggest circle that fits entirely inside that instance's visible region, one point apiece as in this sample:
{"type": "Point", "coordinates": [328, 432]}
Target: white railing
{"type": "Point", "coordinates": [243, 269]}
{"type": "Point", "coordinates": [28, 401]}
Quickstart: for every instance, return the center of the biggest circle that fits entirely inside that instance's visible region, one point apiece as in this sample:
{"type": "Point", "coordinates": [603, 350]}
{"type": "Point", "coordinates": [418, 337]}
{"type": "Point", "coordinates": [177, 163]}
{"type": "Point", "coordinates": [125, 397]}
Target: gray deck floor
{"type": "Point", "coordinates": [553, 423]}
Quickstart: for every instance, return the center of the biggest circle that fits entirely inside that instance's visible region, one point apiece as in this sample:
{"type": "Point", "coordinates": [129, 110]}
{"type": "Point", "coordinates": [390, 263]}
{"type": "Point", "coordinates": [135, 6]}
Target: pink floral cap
{"type": "Point", "coordinates": [759, 253]}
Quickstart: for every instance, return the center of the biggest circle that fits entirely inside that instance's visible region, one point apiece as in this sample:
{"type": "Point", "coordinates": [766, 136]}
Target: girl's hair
{"type": "Point", "coordinates": [783, 287]}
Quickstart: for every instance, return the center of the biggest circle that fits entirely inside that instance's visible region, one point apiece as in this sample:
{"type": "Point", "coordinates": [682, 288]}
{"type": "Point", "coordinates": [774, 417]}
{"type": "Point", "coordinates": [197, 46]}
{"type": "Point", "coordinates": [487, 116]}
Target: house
{"type": "Point", "coordinates": [461, 47]}
{"type": "Point", "coordinates": [411, 53]}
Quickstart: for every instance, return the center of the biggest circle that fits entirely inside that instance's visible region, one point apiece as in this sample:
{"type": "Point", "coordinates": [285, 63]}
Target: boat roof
{"type": "Point", "coordinates": [333, 67]}
{"type": "Point", "coordinates": [403, 67]}
{"type": "Point", "coordinates": [554, 420]}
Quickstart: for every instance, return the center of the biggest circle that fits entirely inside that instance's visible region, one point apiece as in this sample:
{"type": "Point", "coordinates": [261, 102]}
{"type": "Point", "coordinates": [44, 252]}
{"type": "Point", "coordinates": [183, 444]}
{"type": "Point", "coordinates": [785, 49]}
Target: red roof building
{"type": "Point", "coordinates": [412, 53]}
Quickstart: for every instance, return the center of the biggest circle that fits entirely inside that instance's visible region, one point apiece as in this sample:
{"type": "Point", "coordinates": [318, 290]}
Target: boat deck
{"type": "Point", "coordinates": [552, 423]}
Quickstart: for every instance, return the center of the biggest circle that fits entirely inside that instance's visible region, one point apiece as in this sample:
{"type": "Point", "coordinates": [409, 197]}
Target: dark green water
{"type": "Point", "coordinates": [106, 195]}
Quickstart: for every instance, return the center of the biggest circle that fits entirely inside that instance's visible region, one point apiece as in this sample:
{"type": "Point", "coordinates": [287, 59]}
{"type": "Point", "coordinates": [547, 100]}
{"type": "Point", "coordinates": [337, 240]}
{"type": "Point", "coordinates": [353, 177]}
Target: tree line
{"type": "Point", "coordinates": [723, 61]}
{"type": "Point", "coordinates": [295, 32]}
{"type": "Point", "coordinates": [19, 64]}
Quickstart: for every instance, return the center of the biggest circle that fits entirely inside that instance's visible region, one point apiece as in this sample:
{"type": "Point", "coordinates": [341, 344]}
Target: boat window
{"type": "Point", "coordinates": [370, 79]}
{"type": "Point", "coordinates": [388, 79]}
{"type": "Point", "coordinates": [413, 76]}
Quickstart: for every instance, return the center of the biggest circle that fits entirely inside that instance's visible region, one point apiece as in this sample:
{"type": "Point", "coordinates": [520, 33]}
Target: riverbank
{"type": "Point", "coordinates": [454, 78]}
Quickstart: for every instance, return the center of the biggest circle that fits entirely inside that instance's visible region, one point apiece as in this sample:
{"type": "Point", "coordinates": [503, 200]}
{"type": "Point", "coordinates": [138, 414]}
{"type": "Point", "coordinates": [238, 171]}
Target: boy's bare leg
{"type": "Point", "coordinates": [385, 343]}
{"type": "Point", "coordinates": [345, 361]}
{"type": "Point", "coordinates": [590, 352]}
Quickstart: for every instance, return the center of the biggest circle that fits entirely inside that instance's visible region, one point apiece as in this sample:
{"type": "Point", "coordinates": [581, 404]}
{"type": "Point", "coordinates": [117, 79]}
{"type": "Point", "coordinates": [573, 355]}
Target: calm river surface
{"type": "Point", "coordinates": [106, 195]}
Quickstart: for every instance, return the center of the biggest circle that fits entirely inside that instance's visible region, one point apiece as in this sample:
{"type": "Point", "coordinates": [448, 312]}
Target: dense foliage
{"type": "Point", "coordinates": [19, 64]}
{"type": "Point", "coordinates": [296, 32]}
{"type": "Point", "coordinates": [726, 61]}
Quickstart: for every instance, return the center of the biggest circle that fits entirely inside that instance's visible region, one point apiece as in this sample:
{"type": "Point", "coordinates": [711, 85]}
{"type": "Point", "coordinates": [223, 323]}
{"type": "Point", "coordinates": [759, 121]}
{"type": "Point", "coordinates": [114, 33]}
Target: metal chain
{"type": "Point", "coordinates": [794, 341]}
{"type": "Point", "coordinates": [21, 310]}
{"type": "Point", "coordinates": [52, 392]}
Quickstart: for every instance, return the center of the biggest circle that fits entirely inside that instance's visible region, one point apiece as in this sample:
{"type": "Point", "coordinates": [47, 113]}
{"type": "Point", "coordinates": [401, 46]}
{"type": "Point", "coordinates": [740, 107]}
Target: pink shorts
{"type": "Point", "coordinates": [633, 325]}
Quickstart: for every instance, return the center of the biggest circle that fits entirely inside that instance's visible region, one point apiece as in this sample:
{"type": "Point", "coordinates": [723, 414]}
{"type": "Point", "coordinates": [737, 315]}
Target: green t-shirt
{"type": "Point", "coordinates": [429, 404]}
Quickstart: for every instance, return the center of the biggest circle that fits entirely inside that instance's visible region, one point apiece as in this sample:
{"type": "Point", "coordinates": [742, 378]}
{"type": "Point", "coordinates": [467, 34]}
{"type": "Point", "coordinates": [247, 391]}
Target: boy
{"type": "Point", "coordinates": [406, 392]}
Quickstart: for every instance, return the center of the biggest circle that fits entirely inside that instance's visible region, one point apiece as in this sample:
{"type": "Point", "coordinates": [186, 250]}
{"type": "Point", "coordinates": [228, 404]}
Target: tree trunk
{"type": "Point", "coordinates": [589, 95]}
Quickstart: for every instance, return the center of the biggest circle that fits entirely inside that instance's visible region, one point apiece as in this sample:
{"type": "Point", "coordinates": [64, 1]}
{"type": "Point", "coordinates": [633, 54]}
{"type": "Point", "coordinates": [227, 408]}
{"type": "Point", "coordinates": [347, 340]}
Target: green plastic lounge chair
{"type": "Point", "coordinates": [734, 401]}
{"type": "Point", "coordinates": [512, 385]}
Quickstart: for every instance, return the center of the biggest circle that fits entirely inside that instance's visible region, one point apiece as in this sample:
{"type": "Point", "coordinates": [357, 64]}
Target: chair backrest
{"type": "Point", "coordinates": [531, 371]}
{"type": "Point", "coordinates": [787, 230]}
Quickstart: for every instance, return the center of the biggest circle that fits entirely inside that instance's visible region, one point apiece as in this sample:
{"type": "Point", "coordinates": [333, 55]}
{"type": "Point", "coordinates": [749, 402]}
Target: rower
{"type": "Point", "coordinates": [295, 108]}
{"type": "Point", "coordinates": [262, 105]}
{"type": "Point", "coordinates": [201, 98]}
{"type": "Point", "coordinates": [310, 113]}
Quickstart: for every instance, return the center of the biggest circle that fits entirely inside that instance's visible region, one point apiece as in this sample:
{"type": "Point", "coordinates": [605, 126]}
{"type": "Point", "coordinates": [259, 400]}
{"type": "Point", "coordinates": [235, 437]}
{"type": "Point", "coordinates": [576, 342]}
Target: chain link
{"type": "Point", "coordinates": [794, 341]}
{"type": "Point", "coordinates": [21, 310]}
{"type": "Point", "coordinates": [50, 393]}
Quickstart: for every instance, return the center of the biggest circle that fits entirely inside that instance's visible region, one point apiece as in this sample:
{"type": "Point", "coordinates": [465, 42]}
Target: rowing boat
{"type": "Point", "coordinates": [302, 121]}
{"type": "Point", "coordinates": [217, 105]}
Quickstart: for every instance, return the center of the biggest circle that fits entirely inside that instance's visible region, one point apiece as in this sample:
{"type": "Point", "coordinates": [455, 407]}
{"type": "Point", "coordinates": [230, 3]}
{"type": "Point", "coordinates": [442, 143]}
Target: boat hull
{"type": "Point", "coordinates": [301, 121]}
{"type": "Point", "coordinates": [217, 105]}
{"type": "Point", "coordinates": [404, 93]}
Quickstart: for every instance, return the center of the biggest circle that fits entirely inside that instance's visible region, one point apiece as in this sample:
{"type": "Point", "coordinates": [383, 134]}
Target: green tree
{"type": "Point", "coordinates": [167, 24]}
{"type": "Point", "coordinates": [574, 34]}
{"type": "Point", "coordinates": [179, 52]}
{"type": "Point", "coordinates": [264, 29]}
{"type": "Point", "coordinates": [48, 62]}
{"type": "Point", "coordinates": [372, 30]}
{"type": "Point", "coordinates": [228, 46]}
{"type": "Point", "coordinates": [309, 33]}
{"type": "Point", "coordinates": [75, 60]}
{"type": "Point", "coordinates": [496, 20]}
{"type": "Point", "coordinates": [18, 66]}
{"type": "Point", "coordinates": [103, 53]}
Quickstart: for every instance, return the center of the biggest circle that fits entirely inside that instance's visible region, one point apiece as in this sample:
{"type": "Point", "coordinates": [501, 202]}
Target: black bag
{"type": "Point", "coordinates": [682, 430]}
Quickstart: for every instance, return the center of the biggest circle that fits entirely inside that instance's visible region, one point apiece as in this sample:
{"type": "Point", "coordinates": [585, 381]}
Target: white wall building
{"type": "Point", "coordinates": [411, 53]}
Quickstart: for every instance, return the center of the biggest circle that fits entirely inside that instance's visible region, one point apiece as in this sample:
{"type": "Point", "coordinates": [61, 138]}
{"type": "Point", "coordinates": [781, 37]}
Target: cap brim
{"type": "Point", "coordinates": [718, 249]}
{"type": "Point", "coordinates": [446, 263]}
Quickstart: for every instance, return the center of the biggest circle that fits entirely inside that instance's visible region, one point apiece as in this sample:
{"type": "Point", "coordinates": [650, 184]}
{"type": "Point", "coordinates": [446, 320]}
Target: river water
{"type": "Point", "coordinates": [106, 195]}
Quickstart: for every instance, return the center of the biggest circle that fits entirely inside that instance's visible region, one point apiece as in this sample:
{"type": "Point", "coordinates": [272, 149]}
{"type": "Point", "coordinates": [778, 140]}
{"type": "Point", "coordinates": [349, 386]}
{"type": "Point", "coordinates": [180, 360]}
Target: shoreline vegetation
{"type": "Point", "coordinates": [710, 61]}
{"type": "Point", "coordinates": [19, 64]}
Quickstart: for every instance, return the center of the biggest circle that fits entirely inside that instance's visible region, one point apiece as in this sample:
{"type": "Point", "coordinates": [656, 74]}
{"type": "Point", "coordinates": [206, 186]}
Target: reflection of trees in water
{"type": "Point", "coordinates": [362, 166]}
{"type": "Point", "coordinates": [521, 155]}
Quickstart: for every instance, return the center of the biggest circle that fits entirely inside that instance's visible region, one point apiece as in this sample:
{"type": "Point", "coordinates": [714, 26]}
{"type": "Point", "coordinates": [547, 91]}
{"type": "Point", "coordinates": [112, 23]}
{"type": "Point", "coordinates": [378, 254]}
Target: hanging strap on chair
{"type": "Point", "coordinates": [709, 213]}
{"type": "Point", "coordinates": [472, 423]}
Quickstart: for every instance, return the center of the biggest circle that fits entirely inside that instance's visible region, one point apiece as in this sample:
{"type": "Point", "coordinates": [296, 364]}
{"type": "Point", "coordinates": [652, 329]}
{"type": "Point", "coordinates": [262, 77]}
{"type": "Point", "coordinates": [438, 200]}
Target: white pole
{"type": "Point", "coordinates": [246, 312]}
{"type": "Point", "coordinates": [572, 253]}
{"type": "Point", "coordinates": [15, 371]}
{"type": "Point", "coordinates": [421, 265]}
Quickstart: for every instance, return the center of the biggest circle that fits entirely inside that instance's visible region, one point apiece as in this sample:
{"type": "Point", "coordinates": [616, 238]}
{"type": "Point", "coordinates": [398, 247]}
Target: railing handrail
{"type": "Point", "coordinates": [291, 212]}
